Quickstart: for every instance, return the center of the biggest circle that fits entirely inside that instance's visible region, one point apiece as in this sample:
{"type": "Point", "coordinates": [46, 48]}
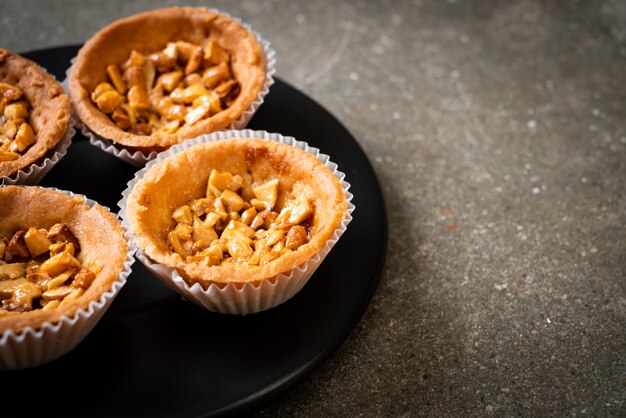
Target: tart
{"type": "Point", "coordinates": [54, 263]}
{"type": "Point", "coordinates": [235, 211]}
{"type": "Point", "coordinates": [34, 113]}
{"type": "Point", "coordinates": [156, 78]}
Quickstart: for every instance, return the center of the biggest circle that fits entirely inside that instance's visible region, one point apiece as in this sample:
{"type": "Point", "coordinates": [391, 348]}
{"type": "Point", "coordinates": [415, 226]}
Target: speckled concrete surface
{"type": "Point", "coordinates": [498, 131]}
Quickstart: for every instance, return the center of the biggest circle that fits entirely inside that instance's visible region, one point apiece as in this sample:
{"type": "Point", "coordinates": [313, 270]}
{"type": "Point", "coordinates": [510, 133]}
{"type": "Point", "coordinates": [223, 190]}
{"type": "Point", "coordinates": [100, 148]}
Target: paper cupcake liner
{"type": "Point", "coordinates": [31, 347]}
{"type": "Point", "coordinates": [33, 174]}
{"type": "Point", "coordinates": [238, 298]}
{"type": "Point", "coordinates": [139, 158]}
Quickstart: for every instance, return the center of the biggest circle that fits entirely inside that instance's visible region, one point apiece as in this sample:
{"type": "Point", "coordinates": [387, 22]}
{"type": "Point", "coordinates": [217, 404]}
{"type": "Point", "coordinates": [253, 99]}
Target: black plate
{"type": "Point", "coordinates": [155, 355]}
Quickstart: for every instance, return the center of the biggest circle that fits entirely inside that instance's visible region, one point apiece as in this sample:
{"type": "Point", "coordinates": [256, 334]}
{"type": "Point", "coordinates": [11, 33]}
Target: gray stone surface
{"type": "Point", "coordinates": [498, 132]}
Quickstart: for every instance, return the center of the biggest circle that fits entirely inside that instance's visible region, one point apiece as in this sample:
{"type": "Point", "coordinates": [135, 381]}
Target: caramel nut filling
{"type": "Point", "coordinates": [235, 224]}
{"type": "Point", "coordinates": [16, 134]}
{"type": "Point", "coordinates": [161, 92]}
{"type": "Point", "coordinates": [39, 269]}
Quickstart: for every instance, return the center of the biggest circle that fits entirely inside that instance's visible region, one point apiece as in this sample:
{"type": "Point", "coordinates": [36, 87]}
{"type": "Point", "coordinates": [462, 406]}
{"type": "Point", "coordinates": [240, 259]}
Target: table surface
{"type": "Point", "coordinates": [498, 132]}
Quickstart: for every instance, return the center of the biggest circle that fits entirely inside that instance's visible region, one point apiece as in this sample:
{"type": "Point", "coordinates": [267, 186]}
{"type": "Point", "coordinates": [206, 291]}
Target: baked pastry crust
{"type": "Point", "coordinates": [150, 32]}
{"type": "Point", "coordinates": [101, 238]}
{"type": "Point", "coordinates": [50, 107]}
{"type": "Point", "coordinates": [183, 177]}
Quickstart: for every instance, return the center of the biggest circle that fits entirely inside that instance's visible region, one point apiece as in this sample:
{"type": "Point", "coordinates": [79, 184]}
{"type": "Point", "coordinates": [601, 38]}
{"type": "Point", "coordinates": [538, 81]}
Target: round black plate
{"type": "Point", "coordinates": [155, 355]}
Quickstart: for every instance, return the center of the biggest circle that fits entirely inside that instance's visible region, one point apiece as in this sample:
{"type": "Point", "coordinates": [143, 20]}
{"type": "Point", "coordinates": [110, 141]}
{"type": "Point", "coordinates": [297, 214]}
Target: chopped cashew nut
{"type": "Point", "coordinates": [16, 132]}
{"type": "Point", "coordinates": [225, 228]}
{"type": "Point", "coordinates": [161, 92]}
{"type": "Point", "coordinates": [39, 269]}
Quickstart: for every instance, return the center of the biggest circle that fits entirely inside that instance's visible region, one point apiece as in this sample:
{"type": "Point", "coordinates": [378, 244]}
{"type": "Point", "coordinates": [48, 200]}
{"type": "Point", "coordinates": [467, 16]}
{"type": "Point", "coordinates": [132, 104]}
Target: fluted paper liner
{"type": "Point", "coordinates": [32, 174]}
{"type": "Point", "coordinates": [139, 158]}
{"type": "Point", "coordinates": [31, 347]}
{"type": "Point", "coordinates": [241, 298]}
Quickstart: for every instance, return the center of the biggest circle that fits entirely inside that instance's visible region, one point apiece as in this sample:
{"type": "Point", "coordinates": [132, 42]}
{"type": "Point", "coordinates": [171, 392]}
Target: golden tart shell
{"type": "Point", "coordinates": [101, 238]}
{"type": "Point", "coordinates": [183, 177]}
{"type": "Point", "coordinates": [50, 107]}
{"type": "Point", "coordinates": [150, 32]}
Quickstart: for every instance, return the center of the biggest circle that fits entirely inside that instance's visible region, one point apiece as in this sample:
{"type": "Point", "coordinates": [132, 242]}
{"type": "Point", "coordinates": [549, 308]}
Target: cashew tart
{"type": "Point", "coordinates": [57, 255]}
{"type": "Point", "coordinates": [151, 80]}
{"type": "Point", "coordinates": [235, 211]}
{"type": "Point", "coordinates": [34, 113]}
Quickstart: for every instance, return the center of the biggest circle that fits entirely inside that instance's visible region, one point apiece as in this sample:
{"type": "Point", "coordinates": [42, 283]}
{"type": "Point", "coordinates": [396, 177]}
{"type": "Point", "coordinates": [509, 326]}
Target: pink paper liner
{"type": "Point", "coordinates": [248, 298]}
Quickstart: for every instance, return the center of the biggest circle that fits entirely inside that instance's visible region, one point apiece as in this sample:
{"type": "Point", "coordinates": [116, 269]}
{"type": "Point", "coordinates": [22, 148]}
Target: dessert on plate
{"type": "Point", "coordinates": [236, 211]}
{"type": "Point", "coordinates": [61, 261]}
{"type": "Point", "coordinates": [34, 113]}
{"type": "Point", "coordinates": [151, 80]}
